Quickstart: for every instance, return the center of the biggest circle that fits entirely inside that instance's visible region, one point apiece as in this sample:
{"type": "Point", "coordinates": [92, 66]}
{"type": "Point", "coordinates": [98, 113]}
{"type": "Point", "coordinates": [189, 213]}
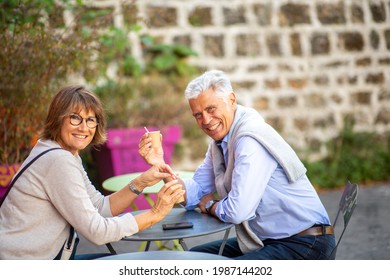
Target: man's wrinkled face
{"type": "Point", "coordinates": [213, 115]}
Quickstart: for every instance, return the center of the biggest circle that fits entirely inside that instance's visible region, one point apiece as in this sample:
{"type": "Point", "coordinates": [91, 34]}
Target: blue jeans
{"type": "Point", "coordinates": [297, 247]}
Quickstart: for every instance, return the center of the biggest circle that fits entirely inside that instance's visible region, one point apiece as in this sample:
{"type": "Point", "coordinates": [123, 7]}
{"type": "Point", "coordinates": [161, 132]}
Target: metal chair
{"type": "Point", "coordinates": [347, 205]}
{"type": "Point", "coordinates": [111, 249]}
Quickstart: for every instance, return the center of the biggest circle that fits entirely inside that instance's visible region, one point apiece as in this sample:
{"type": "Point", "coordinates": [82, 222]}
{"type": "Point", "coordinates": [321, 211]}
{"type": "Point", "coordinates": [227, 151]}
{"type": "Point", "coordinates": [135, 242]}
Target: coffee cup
{"type": "Point", "coordinates": [156, 138]}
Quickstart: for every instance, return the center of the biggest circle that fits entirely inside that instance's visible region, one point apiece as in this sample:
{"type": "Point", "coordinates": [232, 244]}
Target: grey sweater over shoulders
{"type": "Point", "coordinates": [52, 194]}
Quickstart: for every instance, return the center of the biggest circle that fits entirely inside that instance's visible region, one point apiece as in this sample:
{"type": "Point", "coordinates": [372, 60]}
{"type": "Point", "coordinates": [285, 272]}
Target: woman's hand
{"type": "Point", "coordinates": [154, 175]}
{"type": "Point", "coordinates": [166, 198]}
{"type": "Point", "coordinates": [122, 198]}
{"type": "Point", "coordinates": [152, 156]}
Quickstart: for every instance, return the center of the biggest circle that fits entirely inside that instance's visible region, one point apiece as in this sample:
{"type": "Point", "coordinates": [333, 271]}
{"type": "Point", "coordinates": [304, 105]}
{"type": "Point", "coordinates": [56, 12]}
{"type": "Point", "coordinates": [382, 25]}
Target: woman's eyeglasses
{"type": "Point", "coordinates": [76, 120]}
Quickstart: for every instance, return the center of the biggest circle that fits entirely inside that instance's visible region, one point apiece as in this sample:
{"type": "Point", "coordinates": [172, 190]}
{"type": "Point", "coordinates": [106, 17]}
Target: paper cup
{"type": "Point", "coordinates": [156, 138]}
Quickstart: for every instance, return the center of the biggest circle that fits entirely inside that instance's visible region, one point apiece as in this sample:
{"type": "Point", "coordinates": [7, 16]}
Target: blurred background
{"type": "Point", "coordinates": [318, 71]}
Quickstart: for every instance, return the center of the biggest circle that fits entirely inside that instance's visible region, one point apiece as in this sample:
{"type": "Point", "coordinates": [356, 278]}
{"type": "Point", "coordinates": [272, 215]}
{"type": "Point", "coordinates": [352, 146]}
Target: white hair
{"type": "Point", "coordinates": [214, 79]}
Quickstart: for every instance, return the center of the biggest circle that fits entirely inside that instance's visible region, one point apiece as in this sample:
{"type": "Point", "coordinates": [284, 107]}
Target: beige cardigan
{"type": "Point", "coordinates": [51, 194]}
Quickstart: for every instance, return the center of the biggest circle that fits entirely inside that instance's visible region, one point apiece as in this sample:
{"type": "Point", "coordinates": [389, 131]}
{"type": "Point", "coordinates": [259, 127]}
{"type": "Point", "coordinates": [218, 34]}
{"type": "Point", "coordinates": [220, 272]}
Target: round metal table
{"type": "Point", "coordinates": [204, 224]}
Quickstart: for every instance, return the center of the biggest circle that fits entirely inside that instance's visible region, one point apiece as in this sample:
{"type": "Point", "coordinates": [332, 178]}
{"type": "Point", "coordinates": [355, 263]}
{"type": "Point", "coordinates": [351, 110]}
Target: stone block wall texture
{"type": "Point", "coordinates": [304, 64]}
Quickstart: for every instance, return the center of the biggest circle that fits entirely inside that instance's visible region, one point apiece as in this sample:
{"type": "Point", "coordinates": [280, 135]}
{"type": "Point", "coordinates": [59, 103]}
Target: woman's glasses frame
{"type": "Point", "coordinates": [76, 120]}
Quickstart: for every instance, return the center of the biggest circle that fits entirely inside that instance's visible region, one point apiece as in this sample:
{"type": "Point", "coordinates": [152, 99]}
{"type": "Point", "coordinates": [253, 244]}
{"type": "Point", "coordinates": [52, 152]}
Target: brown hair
{"type": "Point", "coordinates": [69, 99]}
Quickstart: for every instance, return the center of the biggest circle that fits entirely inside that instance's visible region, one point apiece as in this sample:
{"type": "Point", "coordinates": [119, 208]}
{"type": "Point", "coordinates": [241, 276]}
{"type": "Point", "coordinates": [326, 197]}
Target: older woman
{"type": "Point", "coordinates": [55, 194]}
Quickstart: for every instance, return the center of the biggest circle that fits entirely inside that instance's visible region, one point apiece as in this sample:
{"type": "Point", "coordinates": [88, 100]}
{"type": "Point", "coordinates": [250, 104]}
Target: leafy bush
{"type": "Point", "coordinates": [356, 156]}
{"type": "Point", "coordinates": [35, 58]}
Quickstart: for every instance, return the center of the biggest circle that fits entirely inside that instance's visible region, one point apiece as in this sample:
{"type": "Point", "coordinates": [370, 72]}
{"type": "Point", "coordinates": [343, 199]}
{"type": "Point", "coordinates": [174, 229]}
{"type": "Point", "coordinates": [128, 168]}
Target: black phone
{"type": "Point", "coordinates": [177, 225]}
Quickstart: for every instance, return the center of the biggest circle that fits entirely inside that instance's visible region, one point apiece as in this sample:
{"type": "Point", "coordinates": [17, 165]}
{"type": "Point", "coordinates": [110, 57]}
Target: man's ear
{"type": "Point", "coordinates": [232, 100]}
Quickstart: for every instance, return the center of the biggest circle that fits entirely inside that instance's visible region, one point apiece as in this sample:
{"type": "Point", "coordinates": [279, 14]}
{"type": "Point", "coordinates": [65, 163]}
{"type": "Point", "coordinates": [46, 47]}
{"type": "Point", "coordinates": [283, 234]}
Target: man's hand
{"type": "Point", "coordinates": [152, 156]}
{"type": "Point", "coordinates": [204, 200]}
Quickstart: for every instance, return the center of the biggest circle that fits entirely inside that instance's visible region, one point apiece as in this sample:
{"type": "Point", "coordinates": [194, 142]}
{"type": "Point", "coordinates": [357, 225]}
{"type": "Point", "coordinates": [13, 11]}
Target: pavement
{"type": "Point", "coordinates": [367, 236]}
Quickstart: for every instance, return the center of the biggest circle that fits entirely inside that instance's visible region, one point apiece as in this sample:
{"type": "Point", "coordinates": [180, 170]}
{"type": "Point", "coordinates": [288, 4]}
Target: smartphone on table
{"type": "Point", "coordinates": [179, 225]}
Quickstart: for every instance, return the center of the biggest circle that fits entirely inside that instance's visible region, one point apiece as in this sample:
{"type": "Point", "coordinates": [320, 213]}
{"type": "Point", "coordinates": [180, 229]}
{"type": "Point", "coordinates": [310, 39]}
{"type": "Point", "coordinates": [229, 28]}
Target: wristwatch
{"type": "Point", "coordinates": [209, 205]}
{"type": "Point", "coordinates": [134, 189]}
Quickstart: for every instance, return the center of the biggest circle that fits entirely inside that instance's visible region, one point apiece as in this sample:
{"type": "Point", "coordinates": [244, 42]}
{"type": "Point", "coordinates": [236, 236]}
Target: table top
{"type": "Point", "coordinates": [116, 183]}
{"type": "Point", "coordinates": [203, 224]}
{"type": "Point", "coordinates": [165, 255]}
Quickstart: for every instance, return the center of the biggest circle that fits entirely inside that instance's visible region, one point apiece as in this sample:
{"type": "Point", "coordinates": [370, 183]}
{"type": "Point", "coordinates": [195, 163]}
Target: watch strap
{"type": "Point", "coordinates": [134, 189]}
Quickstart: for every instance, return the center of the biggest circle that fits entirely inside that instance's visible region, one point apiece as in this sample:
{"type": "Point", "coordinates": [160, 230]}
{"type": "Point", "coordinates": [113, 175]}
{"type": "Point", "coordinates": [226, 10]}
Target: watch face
{"type": "Point", "coordinates": [209, 203]}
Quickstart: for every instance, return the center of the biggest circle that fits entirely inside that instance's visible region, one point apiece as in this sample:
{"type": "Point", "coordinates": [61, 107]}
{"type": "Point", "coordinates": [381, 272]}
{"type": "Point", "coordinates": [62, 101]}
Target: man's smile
{"type": "Point", "coordinates": [212, 127]}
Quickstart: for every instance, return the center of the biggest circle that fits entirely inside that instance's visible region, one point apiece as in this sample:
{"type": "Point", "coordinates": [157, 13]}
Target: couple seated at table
{"type": "Point", "coordinates": [261, 184]}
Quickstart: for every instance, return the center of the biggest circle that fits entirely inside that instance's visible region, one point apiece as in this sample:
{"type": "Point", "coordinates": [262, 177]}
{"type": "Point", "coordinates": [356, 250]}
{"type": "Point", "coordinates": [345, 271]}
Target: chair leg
{"type": "Point", "coordinates": [111, 249]}
{"type": "Point", "coordinates": [333, 254]}
{"type": "Point", "coordinates": [183, 244]}
{"type": "Point", "coordinates": [225, 238]}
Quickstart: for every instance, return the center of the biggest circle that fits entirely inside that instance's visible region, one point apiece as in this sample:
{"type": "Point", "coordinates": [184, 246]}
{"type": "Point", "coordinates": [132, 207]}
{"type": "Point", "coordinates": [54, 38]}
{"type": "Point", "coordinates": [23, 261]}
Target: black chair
{"type": "Point", "coordinates": [346, 207]}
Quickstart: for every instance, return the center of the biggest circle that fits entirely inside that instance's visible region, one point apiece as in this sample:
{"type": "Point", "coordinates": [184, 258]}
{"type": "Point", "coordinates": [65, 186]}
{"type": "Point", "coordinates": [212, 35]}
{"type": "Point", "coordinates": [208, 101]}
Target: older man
{"type": "Point", "coordinates": [261, 183]}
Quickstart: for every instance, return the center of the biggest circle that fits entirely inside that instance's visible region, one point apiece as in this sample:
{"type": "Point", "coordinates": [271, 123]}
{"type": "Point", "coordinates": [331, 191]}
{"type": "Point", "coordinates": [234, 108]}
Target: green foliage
{"type": "Point", "coordinates": [115, 47]}
{"type": "Point", "coordinates": [168, 59]}
{"type": "Point", "coordinates": [356, 156]}
{"type": "Point", "coordinates": [35, 58]}
{"type": "Point", "coordinates": [14, 13]}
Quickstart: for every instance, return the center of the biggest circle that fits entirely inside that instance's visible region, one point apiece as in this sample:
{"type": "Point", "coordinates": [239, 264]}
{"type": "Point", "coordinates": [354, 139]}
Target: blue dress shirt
{"type": "Point", "coordinates": [260, 192]}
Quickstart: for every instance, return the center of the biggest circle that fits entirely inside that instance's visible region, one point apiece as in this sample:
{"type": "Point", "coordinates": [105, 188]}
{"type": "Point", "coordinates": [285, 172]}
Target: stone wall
{"type": "Point", "coordinates": [303, 64]}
